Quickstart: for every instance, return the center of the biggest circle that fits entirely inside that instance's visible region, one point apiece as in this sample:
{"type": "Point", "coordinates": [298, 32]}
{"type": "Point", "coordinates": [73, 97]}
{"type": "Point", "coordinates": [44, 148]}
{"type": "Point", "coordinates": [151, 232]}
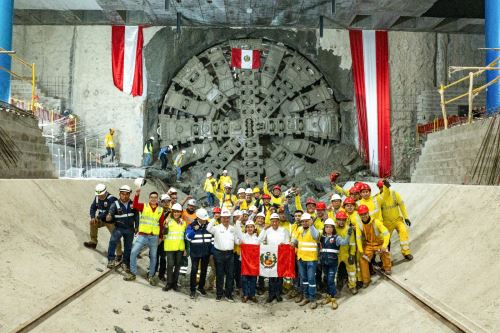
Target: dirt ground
{"type": "Point", "coordinates": [454, 238]}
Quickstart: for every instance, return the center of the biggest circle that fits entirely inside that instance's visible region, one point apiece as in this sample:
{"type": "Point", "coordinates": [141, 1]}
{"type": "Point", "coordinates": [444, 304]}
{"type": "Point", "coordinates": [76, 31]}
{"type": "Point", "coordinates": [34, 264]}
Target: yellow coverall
{"type": "Point", "coordinates": [339, 190]}
{"type": "Point", "coordinates": [392, 204]}
{"type": "Point", "coordinates": [371, 238]}
{"type": "Point", "coordinates": [226, 200]}
{"type": "Point", "coordinates": [353, 218]}
{"type": "Point", "coordinates": [280, 201]}
{"type": "Point", "coordinates": [345, 251]}
{"type": "Point", "coordinates": [373, 204]}
{"type": "Point", "coordinates": [224, 180]}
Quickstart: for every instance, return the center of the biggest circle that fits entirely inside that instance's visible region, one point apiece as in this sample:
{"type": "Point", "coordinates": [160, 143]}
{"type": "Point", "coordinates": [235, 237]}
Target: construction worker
{"type": "Point", "coordinates": [329, 258]}
{"type": "Point", "coordinates": [161, 261]}
{"type": "Point", "coordinates": [209, 187]}
{"type": "Point", "coordinates": [163, 155]}
{"type": "Point", "coordinates": [372, 237]}
{"type": "Point", "coordinates": [307, 257]}
{"type": "Point", "coordinates": [394, 213]}
{"type": "Point", "coordinates": [273, 234]}
{"type": "Point", "coordinates": [98, 211]}
{"type": "Point", "coordinates": [178, 164]}
{"type": "Point", "coordinates": [211, 262]}
{"type": "Point", "coordinates": [149, 232]}
{"type": "Point", "coordinates": [148, 152]}
{"type": "Point", "coordinates": [226, 199]}
{"type": "Point", "coordinates": [352, 217]}
{"type": "Point", "coordinates": [373, 203]}
{"type": "Point", "coordinates": [257, 198]}
{"type": "Point", "coordinates": [241, 203]}
{"type": "Point", "coordinates": [124, 218]}
{"type": "Point", "coordinates": [248, 282]}
{"type": "Point", "coordinates": [276, 197]}
{"type": "Point", "coordinates": [175, 246]}
{"type": "Point", "coordinates": [237, 216]}
{"type": "Point", "coordinates": [347, 253]}
{"type": "Point", "coordinates": [223, 180]}
{"type": "Point", "coordinates": [110, 145]}
{"type": "Point", "coordinates": [335, 206]}
{"type": "Point", "coordinates": [172, 192]}
{"type": "Point", "coordinates": [224, 238]}
{"type": "Point", "coordinates": [249, 199]}
{"type": "Point", "coordinates": [201, 248]}
{"type": "Point", "coordinates": [294, 230]}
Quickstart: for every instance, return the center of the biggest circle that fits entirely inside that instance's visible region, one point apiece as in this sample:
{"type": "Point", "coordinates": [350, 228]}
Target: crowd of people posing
{"type": "Point", "coordinates": [335, 243]}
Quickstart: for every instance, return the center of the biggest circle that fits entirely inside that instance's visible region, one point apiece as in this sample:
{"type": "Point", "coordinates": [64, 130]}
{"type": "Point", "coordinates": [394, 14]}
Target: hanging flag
{"type": "Point", "coordinates": [126, 59]}
{"type": "Point", "coordinates": [246, 59]}
{"type": "Point", "coordinates": [268, 260]}
{"type": "Point", "coordinates": [370, 69]}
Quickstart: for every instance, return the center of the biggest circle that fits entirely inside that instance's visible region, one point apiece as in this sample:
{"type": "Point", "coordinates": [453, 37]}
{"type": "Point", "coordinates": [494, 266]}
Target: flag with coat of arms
{"type": "Point", "coordinates": [268, 260]}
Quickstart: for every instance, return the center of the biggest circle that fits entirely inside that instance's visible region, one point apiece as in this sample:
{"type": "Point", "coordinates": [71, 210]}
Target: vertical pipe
{"type": "Point", "coordinates": [6, 16]}
{"type": "Point", "coordinates": [65, 164]}
{"type": "Point", "coordinates": [59, 160]}
{"type": "Point", "coordinates": [33, 86]}
{"type": "Point", "coordinates": [471, 96]}
{"type": "Point", "coordinates": [492, 40]}
{"type": "Point", "coordinates": [86, 155]}
{"type": "Point", "coordinates": [76, 159]}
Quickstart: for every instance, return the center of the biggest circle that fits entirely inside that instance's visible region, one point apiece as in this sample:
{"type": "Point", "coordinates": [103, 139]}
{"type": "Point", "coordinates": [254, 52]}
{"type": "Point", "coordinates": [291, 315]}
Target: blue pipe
{"type": "Point", "coordinates": [492, 39]}
{"type": "Point", "coordinates": [6, 15]}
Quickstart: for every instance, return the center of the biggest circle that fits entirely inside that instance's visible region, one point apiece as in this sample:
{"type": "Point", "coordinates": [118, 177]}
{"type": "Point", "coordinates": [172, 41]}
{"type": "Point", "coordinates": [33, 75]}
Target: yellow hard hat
{"type": "Point", "coordinates": [256, 190]}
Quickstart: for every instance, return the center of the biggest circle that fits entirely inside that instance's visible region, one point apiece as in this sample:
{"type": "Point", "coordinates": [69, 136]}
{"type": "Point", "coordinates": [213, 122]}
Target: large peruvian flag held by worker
{"type": "Point", "coordinates": [370, 68]}
{"type": "Point", "coordinates": [245, 59]}
{"type": "Point", "coordinates": [127, 59]}
{"type": "Point", "coordinates": [268, 260]}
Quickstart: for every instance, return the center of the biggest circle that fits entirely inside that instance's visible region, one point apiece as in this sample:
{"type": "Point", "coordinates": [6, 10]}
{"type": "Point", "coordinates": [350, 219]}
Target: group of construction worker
{"type": "Point", "coordinates": [335, 243]}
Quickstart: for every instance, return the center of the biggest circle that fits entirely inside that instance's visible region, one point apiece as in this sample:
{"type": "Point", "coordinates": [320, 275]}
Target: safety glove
{"type": "Point", "coordinates": [350, 260]}
{"type": "Point", "coordinates": [408, 223]}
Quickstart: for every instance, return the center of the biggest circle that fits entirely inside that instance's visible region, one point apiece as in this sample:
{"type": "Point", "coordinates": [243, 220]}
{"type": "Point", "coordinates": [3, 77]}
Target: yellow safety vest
{"type": "Point", "coordinates": [149, 222]}
{"type": "Point", "coordinates": [175, 236]}
{"type": "Point", "coordinates": [308, 247]}
{"type": "Point", "coordinates": [108, 140]}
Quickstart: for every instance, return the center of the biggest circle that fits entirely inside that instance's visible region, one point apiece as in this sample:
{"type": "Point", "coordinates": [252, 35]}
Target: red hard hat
{"type": "Point", "coordinates": [266, 196]}
{"type": "Point", "coordinates": [380, 183]}
{"type": "Point", "coordinates": [353, 190]}
{"type": "Point", "coordinates": [310, 201]}
{"type": "Point", "coordinates": [277, 187]}
{"type": "Point", "coordinates": [364, 186]}
{"type": "Point", "coordinates": [362, 209]}
{"type": "Point", "coordinates": [216, 210]}
{"type": "Point", "coordinates": [333, 176]}
{"type": "Point", "coordinates": [320, 205]}
{"type": "Point", "coordinates": [341, 215]}
{"type": "Point", "coordinates": [349, 200]}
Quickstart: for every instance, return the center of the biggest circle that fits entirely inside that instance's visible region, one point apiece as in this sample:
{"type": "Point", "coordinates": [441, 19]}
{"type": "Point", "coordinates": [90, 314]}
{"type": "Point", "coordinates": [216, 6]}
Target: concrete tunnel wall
{"type": "Point", "coordinates": [81, 55]}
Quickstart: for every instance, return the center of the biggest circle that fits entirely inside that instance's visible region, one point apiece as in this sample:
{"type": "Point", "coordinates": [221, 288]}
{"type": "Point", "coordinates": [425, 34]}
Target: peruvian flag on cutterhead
{"type": "Point", "coordinates": [245, 59]}
{"type": "Point", "coordinates": [268, 260]}
{"type": "Point", "coordinates": [127, 59]}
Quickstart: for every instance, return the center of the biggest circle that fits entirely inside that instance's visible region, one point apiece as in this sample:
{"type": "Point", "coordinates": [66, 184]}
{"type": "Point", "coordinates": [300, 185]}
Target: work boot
{"type": "Point", "coordinates": [167, 287]}
{"type": "Point", "coordinates": [202, 291]}
{"type": "Point", "coordinates": [244, 299]}
{"type": "Point", "coordinates": [153, 281]}
{"type": "Point", "coordinates": [175, 287]}
{"type": "Point", "coordinates": [299, 298]}
{"type": "Point", "coordinates": [129, 277]}
{"type": "Point", "coordinates": [304, 302]}
{"type": "Point", "coordinates": [254, 299]}
{"type": "Point", "coordinates": [409, 257]}
{"type": "Point", "coordinates": [119, 258]}
{"type": "Point", "coordinates": [334, 304]}
{"type": "Point", "coordinates": [365, 285]}
{"type": "Point", "coordinates": [269, 299]}
{"type": "Point", "coordinates": [125, 268]}
{"type": "Point", "coordinates": [90, 245]}
{"type": "Point", "coordinates": [279, 299]}
{"type": "Point", "coordinates": [113, 264]}
{"type": "Point", "coordinates": [292, 294]}
{"type": "Point", "coordinates": [353, 291]}
{"type": "Point", "coordinates": [192, 295]}
{"type": "Point", "coordinates": [388, 272]}
{"type": "Point", "coordinates": [313, 305]}
{"type": "Point", "coordinates": [326, 300]}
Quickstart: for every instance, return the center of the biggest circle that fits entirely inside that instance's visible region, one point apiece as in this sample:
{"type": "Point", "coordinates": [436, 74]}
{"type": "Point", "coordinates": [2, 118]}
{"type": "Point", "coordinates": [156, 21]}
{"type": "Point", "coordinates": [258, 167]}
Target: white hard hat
{"type": "Point", "coordinates": [209, 174]}
{"type": "Point", "coordinates": [241, 190]}
{"type": "Point", "coordinates": [225, 213]}
{"type": "Point", "coordinates": [249, 222]}
{"type": "Point", "coordinates": [224, 171]}
{"type": "Point", "coordinates": [329, 222]}
{"type": "Point", "coordinates": [335, 197]}
{"type": "Point", "coordinates": [191, 202]}
{"type": "Point", "coordinates": [125, 188]}
{"type": "Point", "coordinates": [183, 151]}
{"type": "Point", "coordinates": [152, 138]}
{"type": "Point", "coordinates": [237, 213]}
{"type": "Point", "coordinates": [177, 206]}
{"type": "Point", "coordinates": [305, 216]}
{"type": "Point", "coordinates": [171, 190]}
{"type": "Point", "coordinates": [138, 182]}
{"type": "Point", "coordinates": [228, 185]}
{"type": "Point", "coordinates": [202, 214]}
{"type": "Point", "coordinates": [274, 216]}
{"type": "Point", "coordinates": [100, 189]}
{"type": "Point", "coordinates": [170, 147]}
{"type": "Point", "coordinates": [165, 197]}
{"type": "Point", "coordinates": [261, 214]}
{"type": "Point", "coordinates": [245, 212]}
{"type": "Point", "coordinates": [248, 191]}
{"type": "Point", "coordinates": [252, 208]}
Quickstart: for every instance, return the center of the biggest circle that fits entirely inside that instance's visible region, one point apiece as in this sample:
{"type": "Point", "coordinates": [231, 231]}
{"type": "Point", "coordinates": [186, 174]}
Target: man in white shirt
{"type": "Point", "coordinates": [224, 238]}
{"type": "Point", "coordinates": [273, 234]}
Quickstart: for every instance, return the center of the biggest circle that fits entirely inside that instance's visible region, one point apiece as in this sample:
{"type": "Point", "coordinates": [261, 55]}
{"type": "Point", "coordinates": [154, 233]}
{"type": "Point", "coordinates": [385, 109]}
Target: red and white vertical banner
{"type": "Point", "coordinates": [370, 67]}
{"type": "Point", "coordinates": [127, 59]}
{"type": "Point", "coordinates": [245, 59]}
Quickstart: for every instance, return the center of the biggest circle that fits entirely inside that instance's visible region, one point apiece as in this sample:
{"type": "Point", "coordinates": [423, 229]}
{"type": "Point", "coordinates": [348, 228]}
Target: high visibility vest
{"type": "Point", "coordinates": [108, 140]}
{"type": "Point", "coordinates": [175, 236]}
{"type": "Point", "coordinates": [308, 247]}
{"type": "Point", "coordinates": [149, 223]}
{"type": "Point", "coordinates": [148, 148]}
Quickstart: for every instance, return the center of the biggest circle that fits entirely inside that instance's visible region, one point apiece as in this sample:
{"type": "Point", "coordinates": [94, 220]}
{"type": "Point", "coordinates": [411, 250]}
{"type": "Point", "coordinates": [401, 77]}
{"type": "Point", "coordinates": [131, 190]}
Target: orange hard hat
{"type": "Point", "coordinates": [353, 190]}
{"type": "Point", "coordinates": [320, 205]}
{"type": "Point", "coordinates": [341, 215]}
{"type": "Point", "coordinates": [349, 200]}
{"type": "Point", "coordinates": [216, 210]}
{"type": "Point", "coordinates": [363, 209]}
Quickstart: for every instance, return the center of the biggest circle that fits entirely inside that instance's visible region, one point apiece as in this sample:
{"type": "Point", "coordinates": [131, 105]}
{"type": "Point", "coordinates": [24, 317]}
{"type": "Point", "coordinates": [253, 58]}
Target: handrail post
{"type": "Point", "coordinates": [471, 95]}
{"type": "Point", "coordinates": [443, 106]}
{"type": "Point", "coordinates": [33, 82]}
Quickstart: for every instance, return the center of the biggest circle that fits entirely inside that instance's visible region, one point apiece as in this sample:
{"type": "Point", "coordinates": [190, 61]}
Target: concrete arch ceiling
{"type": "Point", "coordinates": [281, 118]}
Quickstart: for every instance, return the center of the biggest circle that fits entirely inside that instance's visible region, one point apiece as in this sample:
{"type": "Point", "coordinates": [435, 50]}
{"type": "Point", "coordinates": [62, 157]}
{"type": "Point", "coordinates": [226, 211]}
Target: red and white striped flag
{"type": "Point", "coordinates": [370, 68]}
{"type": "Point", "coordinates": [268, 260]}
{"type": "Point", "coordinates": [126, 59]}
{"type": "Point", "coordinates": [246, 59]}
